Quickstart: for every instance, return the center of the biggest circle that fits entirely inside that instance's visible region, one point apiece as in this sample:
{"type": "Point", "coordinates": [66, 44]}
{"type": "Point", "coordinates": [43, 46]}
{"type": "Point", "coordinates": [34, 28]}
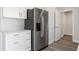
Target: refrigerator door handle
{"type": "Point", "coordinates": [42, 26]}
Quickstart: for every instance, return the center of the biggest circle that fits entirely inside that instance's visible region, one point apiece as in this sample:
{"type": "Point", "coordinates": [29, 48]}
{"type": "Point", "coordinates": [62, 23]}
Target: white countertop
{"type": "Point", "coordinates": [16, 31]}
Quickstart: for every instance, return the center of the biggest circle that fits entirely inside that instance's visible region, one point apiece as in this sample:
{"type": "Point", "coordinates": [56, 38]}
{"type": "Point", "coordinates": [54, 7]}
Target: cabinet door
{"type": "Point", "coordinates": [12, 12]}
{"type": "Point", "coordinates": [22, 12]}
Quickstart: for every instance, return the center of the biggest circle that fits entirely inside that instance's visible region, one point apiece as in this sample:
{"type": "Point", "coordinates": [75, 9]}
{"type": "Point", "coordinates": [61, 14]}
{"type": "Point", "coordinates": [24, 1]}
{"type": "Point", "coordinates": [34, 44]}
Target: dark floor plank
{"type": "Point", "coordinates": [64, 44]}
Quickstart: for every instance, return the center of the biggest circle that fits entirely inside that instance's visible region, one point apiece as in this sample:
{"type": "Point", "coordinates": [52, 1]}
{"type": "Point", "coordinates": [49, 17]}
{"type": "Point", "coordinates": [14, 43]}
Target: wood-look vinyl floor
{"type": "Point", "coordinates": [64, 44]}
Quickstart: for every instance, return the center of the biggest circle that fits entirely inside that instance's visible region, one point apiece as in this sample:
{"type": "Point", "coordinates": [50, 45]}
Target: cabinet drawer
{"type": "Point", "coordinates": [18, 36]}
{"type": "Point", "coordinates": [18, 45]}
{"type": "Point", "coordinates": [12, 46]}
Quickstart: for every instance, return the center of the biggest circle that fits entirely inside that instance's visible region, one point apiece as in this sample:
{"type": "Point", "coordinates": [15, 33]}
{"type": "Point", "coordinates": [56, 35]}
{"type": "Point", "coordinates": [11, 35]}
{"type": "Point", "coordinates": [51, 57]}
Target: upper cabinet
{"type": "Point", "coordinates": [14, 12]}
{"type": "Point", "coordinates": [23, 12]}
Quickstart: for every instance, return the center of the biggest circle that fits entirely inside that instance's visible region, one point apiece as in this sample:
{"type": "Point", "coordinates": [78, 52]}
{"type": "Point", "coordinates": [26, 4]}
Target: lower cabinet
{"type": "Point", "coordinates": [17, 41]}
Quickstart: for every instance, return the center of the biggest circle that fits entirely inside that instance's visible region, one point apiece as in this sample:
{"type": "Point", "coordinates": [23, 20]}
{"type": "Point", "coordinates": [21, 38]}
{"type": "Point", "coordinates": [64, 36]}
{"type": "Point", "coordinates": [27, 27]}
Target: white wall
{"type": "Point", "coordinates": [58, 25]}
{"type": "Point", "coordinates": [7, 24]}
{"type": "Point", "coordinates": [62, 24]}
{"type": "Point", "coordinates": [68, 23]}
{"type": "Point", "coordinates": [76, 25]}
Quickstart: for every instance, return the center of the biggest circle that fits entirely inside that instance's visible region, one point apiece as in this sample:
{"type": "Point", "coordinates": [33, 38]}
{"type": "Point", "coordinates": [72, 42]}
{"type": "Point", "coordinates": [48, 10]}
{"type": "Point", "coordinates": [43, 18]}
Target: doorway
{"type": "Point", "coordinates": [67, 23]}
{"type": "Point", "coordinates": [63, 24]}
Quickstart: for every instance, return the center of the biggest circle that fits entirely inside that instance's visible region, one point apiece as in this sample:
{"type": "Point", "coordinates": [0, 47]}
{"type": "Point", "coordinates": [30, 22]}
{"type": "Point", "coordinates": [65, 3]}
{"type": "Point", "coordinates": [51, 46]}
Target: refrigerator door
{"type": "Point", "coordinates": [41, 18]}
{"type": "Point", "coordinates": [37, 29]}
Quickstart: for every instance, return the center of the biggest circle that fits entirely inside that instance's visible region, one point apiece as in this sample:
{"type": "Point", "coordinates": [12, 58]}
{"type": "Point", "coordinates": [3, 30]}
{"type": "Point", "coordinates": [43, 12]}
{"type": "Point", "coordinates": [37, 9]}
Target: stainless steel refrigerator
{"type": "Point", "coordinates": [37, 21]}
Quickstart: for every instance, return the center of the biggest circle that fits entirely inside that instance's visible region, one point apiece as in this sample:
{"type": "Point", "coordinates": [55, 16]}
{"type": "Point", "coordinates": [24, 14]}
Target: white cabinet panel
{"type": "Point", "coordinates": [11, 24]}
{"type": "Point", "coordinates": [23, 12]}
{"type": "Point", "coordinates": [14, 12]}
{"type": "Point", "coordinates": [11, 12]}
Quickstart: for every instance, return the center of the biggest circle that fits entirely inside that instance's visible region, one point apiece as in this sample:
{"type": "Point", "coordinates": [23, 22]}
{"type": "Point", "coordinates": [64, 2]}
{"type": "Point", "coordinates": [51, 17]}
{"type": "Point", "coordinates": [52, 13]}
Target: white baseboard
{"type": "Point", "coordinates": [75, 41]}
{"type": "Point", "coordinates": [59, 38]}
{"type": "Point", "coordinates": [68, 34]}
{"type": "Point", "coordinates": [78, 48]}
{"type": "Point", "coordinates": [50, 42]}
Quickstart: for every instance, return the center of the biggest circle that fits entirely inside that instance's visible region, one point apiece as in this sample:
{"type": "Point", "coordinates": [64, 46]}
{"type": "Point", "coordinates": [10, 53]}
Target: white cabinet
{"type": "Point", "coordinates": [14, 12]}
{"type": "Point", "coordinates": [11, 12]}
{"type": "Point", "coordinates": [17, 41]}
{"type": "Point", "coordinates": [22, 12]}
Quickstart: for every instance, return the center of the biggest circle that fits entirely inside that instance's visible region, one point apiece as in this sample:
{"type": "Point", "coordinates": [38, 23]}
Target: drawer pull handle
{"type": "Point", "coordinates": [27, 39]}
{"type": "Point", "coordinates": [16, 42]}
{"type": "Point", "coordinates": [16, 34]}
